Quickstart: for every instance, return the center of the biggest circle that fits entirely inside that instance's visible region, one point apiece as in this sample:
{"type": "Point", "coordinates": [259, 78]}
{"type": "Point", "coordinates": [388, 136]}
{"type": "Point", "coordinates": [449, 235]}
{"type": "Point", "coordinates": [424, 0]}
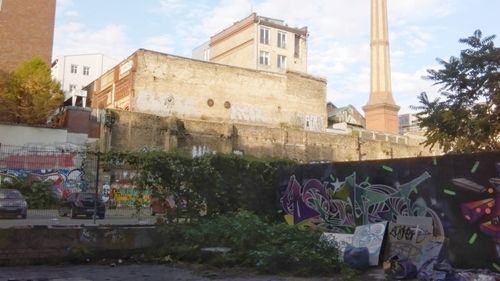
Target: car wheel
{"type": "Point", "coordinates": [72, 213]}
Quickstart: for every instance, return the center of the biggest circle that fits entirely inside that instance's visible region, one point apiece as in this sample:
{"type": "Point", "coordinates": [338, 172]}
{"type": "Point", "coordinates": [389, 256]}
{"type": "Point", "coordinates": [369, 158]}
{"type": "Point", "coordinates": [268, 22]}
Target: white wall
{"type": "Point", "coordinates": [97, 63]}
{"type": "Point", "coordinates": [20, 135]}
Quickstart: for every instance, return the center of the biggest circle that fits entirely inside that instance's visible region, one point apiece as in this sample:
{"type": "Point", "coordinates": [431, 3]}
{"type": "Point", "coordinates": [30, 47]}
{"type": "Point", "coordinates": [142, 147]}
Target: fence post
{"type": "Point", "coordinates": [96, 185]}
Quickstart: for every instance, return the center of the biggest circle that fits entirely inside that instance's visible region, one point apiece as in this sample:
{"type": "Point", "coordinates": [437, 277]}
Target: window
{"type": "Point", "coordinates": [281, 62]}
{"type": "Point", "coordinates": [297, 46]}
{"type": "Point", "coordinates": [264, 35]}
{"type": "Point", "coordinates": [74, 68]}
{"type": "Point", "coordinates": [72, 87]}
{"type": "Point", "coordinates": [86, 70]}
{"type": "Point", "coordinates": [206, 54]}
{"type": "Point", "coordinates": [264, 58]}
{"type": "Point", "coordinates": [281, 39]}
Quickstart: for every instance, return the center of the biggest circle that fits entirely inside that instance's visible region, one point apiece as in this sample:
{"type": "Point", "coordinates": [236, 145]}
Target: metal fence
{"type": "Point", "coordinates": [68, 169]}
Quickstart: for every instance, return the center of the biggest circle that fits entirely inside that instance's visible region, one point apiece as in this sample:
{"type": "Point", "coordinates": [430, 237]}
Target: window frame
{"type": "Point", "coordinates": [296, 44]}
{"type": "Point", "coordinates": [264, 58]}
{"type": "Point", "coordinates": [267, 35]}
{"type": "Point", "coordinates": [281, 62]}
{"type": "Point", "coordinates": [281, 40]}
{"type": "Point", "coordinates": [86, 70]}
{"type": "Point", "coordinates": [74, 69]}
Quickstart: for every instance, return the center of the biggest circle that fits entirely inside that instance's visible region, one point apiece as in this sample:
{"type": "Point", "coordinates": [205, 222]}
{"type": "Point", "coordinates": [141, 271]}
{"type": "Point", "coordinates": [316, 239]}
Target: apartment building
{"type": "Point", "coordinates": [258, 43]}
{"type": "Point", "coordinates": [77, 71]}
{"type": "Point", "coordinates": [26, 31]}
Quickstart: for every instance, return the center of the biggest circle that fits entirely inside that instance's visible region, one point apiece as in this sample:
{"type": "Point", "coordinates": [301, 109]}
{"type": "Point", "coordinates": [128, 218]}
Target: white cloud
{"type": "Point", "coordinates": [75, 38]}
{"type": "Point", "coordinates": [161, 43]}
{"type": "Point", "coordinates": [408, 11]}
{"type": "Point", "coordinates": [407, 86]}
{"type": "Point", "coordinates": [171, 5]}
{"type": "Point", "coordinates": [65, 8]}
{"type": "Point", "coordinates": [224, 15]}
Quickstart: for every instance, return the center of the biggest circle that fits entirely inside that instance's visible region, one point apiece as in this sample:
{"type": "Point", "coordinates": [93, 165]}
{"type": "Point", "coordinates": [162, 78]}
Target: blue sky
{"type": "Point", "coordinates": [420, 31]}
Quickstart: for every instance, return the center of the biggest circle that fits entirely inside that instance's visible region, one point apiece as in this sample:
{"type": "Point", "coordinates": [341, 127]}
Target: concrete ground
{"type": "Point", "coordinates": [152, 272]}
{"type": "Point", "coordinates": [51, 217]}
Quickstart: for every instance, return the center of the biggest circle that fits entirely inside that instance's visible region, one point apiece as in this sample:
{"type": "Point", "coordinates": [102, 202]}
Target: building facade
{"type": "Point", "coordinates": [259, 43]}
{"type": "Point", "coordinates": [166, 85]}
{"type": "Point", "coordinates": [76, 71]}
{"type": "Point", "coordinates": [26, 31]}
{"type": "Point", "coordinates": [408, 123]}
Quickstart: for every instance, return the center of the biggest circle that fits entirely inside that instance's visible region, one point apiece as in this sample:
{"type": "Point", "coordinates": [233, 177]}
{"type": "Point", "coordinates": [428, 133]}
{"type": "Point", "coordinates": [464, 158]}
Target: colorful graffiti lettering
{"type": "Point", "coordinates": [129, 196]}
{"type": "Point", "coordinates": [336, 206]}
{"type": "Point", "coordinates": [459, 195]}
{"type": "Point", "coordinates": [486, 211]}
{"type": "Point", "coordinates": [64, 181]}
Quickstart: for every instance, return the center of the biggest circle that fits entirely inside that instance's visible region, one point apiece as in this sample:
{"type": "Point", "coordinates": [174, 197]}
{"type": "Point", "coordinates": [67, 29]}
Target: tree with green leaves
{"type": "Point", "coordinates": [468, 117]}
{"type": "Point", "coordinates": [29, 94]}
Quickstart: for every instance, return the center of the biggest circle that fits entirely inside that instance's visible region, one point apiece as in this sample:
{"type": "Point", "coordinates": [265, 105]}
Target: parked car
{"type": "Point", "coordinates": [82, 204]}
{"type": "Point", "coordinates": [12, 204]}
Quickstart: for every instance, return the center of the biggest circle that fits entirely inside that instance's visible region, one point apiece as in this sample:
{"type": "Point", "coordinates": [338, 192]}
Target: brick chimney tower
{"type": "Point", "coordinates": [381, 112]}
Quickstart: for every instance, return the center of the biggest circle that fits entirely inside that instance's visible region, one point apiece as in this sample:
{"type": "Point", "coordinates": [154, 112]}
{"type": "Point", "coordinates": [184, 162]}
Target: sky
{"type": "Point", "coordinates": [339, 35]}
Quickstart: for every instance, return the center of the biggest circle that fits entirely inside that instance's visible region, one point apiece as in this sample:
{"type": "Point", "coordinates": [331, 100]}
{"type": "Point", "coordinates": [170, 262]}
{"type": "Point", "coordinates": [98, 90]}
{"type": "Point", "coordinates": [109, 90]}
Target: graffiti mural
{"type": "Point", "coordinates": [460, 194]}
{"type": "Point", "coordinates": [64, 181]}
{"type": "Point", "coordinates": [336, 206]}
{"type": "Point", "coordinates": [61, 165]}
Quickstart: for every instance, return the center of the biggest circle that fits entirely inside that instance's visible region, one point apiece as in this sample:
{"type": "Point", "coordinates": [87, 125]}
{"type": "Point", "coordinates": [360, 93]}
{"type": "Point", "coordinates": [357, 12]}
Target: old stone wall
{"type": "Point", "coordinates": [171, 86]}
{"type": "Point", "coordinates": [132, 131]}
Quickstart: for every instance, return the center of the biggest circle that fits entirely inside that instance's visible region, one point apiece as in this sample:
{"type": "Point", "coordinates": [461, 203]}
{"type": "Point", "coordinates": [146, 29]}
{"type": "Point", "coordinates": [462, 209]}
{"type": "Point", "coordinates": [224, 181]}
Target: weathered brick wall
{"type": "Point", "coordinates": [26, 30]}
{"type": "Point", "coordinates": [133, 131]}
{"type": "Point", "coordinates": [167, 85]}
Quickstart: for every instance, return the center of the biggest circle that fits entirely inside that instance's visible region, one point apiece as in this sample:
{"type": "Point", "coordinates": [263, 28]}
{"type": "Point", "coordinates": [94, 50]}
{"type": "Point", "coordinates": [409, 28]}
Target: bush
{"type": "Point", "coordinates": [268, 247]}
{"type": "Point", "coordinates": [206, 186]}
{"type": "Point", "coordinates": [38, 194]}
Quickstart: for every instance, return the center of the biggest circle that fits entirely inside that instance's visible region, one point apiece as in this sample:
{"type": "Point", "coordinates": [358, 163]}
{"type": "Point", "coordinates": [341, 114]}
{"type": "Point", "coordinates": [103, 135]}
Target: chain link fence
{"type": "Point", "coordinates": [62, 170]}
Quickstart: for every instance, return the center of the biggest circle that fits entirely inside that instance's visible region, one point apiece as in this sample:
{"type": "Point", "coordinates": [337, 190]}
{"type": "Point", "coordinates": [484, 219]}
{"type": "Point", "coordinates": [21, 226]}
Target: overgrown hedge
{"type": "Point", "coordinates": [207, 185]}
{"type": "Point", "coordinates": [253, 242]}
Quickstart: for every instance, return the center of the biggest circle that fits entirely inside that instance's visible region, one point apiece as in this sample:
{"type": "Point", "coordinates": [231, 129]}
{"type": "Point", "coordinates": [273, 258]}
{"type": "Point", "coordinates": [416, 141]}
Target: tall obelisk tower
{"type": "Point", "coordinates": [381, 112]}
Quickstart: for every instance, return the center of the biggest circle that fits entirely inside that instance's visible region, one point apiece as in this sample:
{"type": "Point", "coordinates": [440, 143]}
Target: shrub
{"type": "Point", "coordinates": [268, 247]}
{"type": "Point", "coordinates": [206, 186]}
{"type": "Point", "coordinates": [38, 194]}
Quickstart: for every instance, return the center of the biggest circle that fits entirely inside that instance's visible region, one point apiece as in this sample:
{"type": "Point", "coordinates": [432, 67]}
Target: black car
{"type": "Point", "coordinates": [12, 204]}
{"type": "Point", "coordinates": [82, 204]}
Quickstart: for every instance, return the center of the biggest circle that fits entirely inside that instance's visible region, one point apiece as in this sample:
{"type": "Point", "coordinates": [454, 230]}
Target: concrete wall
{"type": "Point", "coordinates": [20, 135]}
{"type": "Point", "coordinates": [27, 30]}
{"type": "Point", "coordinates": [20, 246]}
{"type": "Point", "coordinates": [238, 50]}
{"type": "Point", "coordinates": [131, 131]}
{"type": "Point", "coordinates": [167, 85]}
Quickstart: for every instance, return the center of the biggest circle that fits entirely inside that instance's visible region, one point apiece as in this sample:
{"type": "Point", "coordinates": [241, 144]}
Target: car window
{"type": "Point", "coordinates": [10, 194]}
